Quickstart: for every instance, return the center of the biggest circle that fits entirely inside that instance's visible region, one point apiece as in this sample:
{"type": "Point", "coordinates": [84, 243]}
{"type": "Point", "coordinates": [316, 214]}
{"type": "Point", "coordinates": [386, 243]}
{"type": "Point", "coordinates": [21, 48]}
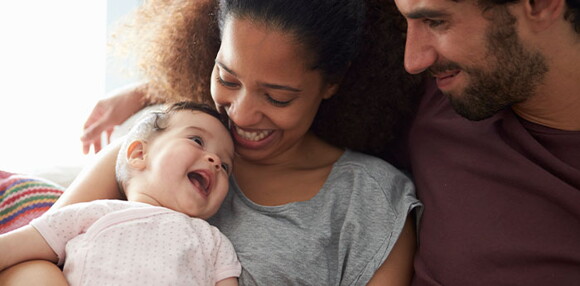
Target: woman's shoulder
{"type": "Point", "coordinates": [352, 161]}
{"type": "Point", "coordinates": [370, 178]}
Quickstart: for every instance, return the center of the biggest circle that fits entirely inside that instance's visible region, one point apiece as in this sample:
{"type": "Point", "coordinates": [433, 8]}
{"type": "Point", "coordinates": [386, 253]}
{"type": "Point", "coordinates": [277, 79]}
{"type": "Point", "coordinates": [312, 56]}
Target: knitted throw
{"type": "Point", "coordinates": [24, 198]}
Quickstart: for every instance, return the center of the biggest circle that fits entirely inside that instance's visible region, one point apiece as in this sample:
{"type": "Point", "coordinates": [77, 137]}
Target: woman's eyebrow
{"type": "Point", "coordinates": [267, 85]}
{"type": "Point", "coordinates": [225, 68]}
{"type": "Point", "coordinates": [281, 87]}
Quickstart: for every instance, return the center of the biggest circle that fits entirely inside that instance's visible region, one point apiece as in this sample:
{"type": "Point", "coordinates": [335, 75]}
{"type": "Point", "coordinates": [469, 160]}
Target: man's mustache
{"type": "Point", "coordinates": [441, 67]}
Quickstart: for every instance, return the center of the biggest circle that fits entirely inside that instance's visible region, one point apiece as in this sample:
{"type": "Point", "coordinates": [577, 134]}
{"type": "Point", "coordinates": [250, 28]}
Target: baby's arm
{"type": "Point", "coordinates": [228, 267]}
{"type": "Point", "coordinates": [232, 281]}
{"type": "Point", "coordinates": [46, 236]}
{"type": "Point", "coordinates": [24, 244]}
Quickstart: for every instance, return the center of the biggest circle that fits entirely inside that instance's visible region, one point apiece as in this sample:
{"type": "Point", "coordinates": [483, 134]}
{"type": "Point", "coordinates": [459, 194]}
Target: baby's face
{"type": "Point", "coordinates": [188, 165]}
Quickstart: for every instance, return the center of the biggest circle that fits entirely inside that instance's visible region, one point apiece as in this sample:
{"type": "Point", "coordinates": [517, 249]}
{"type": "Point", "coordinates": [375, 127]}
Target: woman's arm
{"type": "Point", "coordinates": [96, 181]}
{"type": "Point", "coordinates": [35, 272]}
{"type": "Point", "coordinates": [398, 268]}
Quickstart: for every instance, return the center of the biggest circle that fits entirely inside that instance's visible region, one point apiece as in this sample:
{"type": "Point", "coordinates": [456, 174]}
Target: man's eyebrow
{"type": "Point", "coordinates": [426, 13]}
{"type": "Point", "coordinates": [225, 68]}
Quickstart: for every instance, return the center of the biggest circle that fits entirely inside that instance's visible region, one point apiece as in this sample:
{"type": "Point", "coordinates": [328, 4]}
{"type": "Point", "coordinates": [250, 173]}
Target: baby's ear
{"type": "Point", "coordinates": [136, 155]}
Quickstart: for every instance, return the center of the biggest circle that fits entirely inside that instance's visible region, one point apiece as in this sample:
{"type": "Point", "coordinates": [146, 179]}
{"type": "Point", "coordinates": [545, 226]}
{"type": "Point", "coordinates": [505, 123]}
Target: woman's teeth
{"type": "Point", "coordinates": [252, 136]}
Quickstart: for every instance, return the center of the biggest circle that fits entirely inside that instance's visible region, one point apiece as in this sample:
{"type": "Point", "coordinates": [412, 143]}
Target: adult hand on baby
{"type": "Point", "coordinates": [110, 112]}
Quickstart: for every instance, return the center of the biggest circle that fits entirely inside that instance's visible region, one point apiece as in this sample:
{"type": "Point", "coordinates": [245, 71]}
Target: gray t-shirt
{"type": "Point", "coordinates": [339, 237]}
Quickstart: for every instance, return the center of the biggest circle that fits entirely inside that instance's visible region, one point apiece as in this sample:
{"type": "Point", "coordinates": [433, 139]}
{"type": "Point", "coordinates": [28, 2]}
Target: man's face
{"type": "Point", "coordinates": [477, 57]}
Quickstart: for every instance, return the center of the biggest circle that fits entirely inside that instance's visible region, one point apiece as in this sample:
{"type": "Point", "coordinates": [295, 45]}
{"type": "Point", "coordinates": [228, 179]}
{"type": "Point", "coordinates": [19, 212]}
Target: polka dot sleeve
{"type": "Point", "coordinates": [227, 264]}
{"type": "Point", "coordinates": [59, 226]}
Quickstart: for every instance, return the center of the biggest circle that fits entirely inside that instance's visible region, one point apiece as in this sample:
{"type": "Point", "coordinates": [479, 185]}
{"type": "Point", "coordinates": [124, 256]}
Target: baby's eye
{"type": "Point", "coordinates": [226, 167]}
{"type": "Point", "coordinates": [197, 140]}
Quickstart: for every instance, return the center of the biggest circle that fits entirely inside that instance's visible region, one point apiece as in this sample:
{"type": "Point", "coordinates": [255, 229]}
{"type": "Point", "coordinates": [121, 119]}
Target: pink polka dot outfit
{"type": "Point", "coordinates": [113, 242]}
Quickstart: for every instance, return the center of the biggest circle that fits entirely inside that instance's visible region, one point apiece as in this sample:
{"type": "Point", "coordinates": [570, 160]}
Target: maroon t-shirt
{"type": "Point", "coordinates": [501, 196]}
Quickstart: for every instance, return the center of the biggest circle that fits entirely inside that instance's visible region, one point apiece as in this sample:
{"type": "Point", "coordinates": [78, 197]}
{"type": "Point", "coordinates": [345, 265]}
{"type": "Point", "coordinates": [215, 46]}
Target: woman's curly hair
{"type": "Point", "coordinates": [176, 42]}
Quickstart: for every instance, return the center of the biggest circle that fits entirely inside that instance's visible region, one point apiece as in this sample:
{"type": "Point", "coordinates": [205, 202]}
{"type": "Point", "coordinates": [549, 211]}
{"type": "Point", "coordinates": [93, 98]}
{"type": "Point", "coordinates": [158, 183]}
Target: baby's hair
{"type": "Point", "coordinates": [152, 125]}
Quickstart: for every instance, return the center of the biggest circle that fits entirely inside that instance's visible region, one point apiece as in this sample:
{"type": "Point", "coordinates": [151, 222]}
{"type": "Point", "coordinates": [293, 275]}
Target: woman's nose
{"type": "Point", "coordinates": [419, 53]}
{"type": "Point", "coordinates": [243, 108]}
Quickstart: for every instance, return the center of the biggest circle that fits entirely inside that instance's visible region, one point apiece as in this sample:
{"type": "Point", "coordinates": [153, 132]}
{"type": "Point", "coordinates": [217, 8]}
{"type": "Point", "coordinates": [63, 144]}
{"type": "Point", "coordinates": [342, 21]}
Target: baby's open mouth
{"type": "Point", "coordinates": [199, 180]}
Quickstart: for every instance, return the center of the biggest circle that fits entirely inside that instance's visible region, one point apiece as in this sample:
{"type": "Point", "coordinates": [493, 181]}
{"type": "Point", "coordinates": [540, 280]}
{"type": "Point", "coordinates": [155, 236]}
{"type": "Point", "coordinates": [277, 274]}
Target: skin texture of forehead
{"type": "Point", "coordinates": [266, 38]}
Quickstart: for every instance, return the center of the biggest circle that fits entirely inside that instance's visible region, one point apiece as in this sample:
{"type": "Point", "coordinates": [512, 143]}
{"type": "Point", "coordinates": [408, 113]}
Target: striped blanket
{"type": "Point", "coordinates": [24, 198]}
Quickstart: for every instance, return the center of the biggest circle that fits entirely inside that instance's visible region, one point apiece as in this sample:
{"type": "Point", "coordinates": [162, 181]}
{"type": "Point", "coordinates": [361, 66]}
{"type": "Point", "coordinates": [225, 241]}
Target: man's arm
{"type": "Point", "coordinates": [24, 244]}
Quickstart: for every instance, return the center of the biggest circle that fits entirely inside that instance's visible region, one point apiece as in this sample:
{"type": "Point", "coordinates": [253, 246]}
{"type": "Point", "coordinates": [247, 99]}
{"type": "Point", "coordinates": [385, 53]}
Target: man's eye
{"type": "Point", "coordinates": [197, 140]}
{"type": "Point", "coordinates": [226, 167]}
{"type": "Point", "coordinates": [434, 23]}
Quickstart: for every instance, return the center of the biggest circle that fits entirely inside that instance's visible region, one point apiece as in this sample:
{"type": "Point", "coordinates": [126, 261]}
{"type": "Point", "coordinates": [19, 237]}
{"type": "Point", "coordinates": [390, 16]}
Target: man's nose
{"type": "Point", "coordinates": [419, 52]}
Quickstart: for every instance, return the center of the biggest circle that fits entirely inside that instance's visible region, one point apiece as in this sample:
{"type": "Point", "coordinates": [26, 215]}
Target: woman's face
{"type": "Point", "coordinates": [262, 80]}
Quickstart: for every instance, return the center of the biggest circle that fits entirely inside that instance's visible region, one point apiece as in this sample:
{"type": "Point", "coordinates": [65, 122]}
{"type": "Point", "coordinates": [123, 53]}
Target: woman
{"type": "Point", "coordinates": [304, 84]}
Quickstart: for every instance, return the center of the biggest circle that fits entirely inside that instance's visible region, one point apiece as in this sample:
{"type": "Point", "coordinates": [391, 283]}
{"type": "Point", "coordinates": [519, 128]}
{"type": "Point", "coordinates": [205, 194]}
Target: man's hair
{"type": "Point", "coordinates": [571, 14]}
{"type": "Point", "coordinates": [152, 125]}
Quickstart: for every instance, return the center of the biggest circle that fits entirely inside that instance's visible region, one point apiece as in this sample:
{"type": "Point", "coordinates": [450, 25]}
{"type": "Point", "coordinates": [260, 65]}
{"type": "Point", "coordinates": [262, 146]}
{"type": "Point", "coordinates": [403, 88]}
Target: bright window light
{"type": "Point", "coordinates": [52, 71]}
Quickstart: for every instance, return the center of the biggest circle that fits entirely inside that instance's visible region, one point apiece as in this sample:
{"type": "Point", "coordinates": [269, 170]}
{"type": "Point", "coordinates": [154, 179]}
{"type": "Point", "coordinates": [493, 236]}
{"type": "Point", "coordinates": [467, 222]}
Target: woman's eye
{"type": "Point", "coordinates": [197, 140]}
{"type": "Point", "coordinates": [277, 102]}
{"type": "Point", "coordinates": [226, 167]}
{"type": "Point", "coordinates": [226, 83]}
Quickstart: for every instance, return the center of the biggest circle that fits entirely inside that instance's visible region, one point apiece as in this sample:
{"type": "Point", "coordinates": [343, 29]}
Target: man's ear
{"type": "Point", "coordinates": [543, 13]}
{"type": "Point", "coordinates": [136, 155]}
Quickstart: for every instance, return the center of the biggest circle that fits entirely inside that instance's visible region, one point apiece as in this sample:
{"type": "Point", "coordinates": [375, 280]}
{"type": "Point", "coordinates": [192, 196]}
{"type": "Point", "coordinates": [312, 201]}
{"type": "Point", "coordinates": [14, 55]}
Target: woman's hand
{"type": "Point", "coordinates": [110, 112]}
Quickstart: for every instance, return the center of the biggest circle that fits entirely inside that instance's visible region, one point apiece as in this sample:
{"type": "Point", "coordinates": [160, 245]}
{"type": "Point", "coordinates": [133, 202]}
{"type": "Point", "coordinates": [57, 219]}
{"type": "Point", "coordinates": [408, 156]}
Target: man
{"type": "Point", "coordinates": [495, 151]}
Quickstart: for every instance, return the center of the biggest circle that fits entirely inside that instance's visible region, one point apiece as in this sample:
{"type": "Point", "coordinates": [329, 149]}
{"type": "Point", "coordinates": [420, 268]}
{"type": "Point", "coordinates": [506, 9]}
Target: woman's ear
{"type": "Point", "coordinates": [330, 90]}
{"type": "Point", "coordinates": [136, 155]}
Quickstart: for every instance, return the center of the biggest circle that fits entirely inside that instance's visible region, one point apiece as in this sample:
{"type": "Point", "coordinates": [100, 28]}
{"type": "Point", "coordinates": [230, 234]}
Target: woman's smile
{"type": "Point", "coordinates": [252, 139]}
{"type": "Point", "coordinates": [252, 135]}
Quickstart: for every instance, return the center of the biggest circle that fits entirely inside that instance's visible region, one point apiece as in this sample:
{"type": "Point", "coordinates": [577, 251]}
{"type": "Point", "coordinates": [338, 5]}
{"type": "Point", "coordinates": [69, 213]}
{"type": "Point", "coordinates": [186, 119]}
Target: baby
{"type": "Point", "coordinates": [173, 169]}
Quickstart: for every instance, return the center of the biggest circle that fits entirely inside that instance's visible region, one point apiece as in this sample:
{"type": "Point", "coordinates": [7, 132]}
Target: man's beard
{"type": "Point", "coordinates": [514, 75]}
